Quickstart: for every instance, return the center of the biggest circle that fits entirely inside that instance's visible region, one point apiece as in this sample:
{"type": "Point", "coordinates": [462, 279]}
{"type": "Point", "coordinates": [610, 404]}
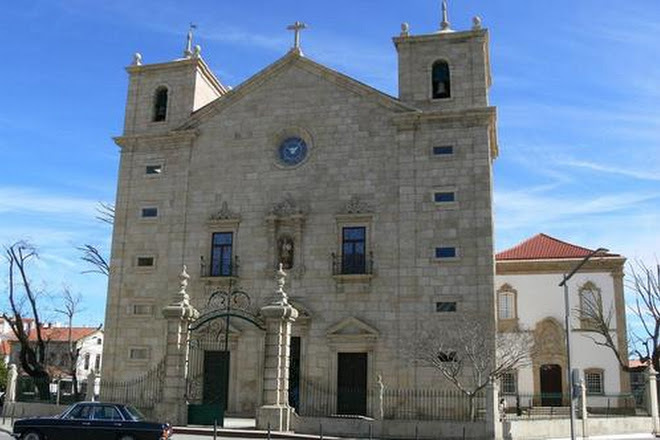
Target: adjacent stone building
{"type": "Point", "coordinates": [379, 209]}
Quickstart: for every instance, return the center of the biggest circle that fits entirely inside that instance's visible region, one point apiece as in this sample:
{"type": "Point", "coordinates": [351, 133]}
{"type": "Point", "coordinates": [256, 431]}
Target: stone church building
{"type": "Point", "coordinates": [377, 207]}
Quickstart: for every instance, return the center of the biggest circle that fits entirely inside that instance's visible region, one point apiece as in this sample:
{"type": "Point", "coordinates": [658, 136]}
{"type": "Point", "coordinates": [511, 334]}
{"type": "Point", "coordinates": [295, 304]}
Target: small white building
{"type": "Point", "coordinates": [530, 299]}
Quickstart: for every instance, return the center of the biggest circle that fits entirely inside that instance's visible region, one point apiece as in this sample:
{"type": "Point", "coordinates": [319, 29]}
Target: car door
{"type": "Point", "coordinates": [74, 425]}
{"type": "Point", "coordinates": [107, 422]}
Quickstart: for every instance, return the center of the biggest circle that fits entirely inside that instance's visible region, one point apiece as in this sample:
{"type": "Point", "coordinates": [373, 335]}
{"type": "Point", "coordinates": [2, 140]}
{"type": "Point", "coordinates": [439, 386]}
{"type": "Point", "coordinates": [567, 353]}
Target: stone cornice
{"type": "Point", "coordinates": [170, 137]}
{"type": "Point", "coordinates": [194, 62]}
{"type": "Point", "coordinates": [457, 36]}
{"type": "Point", "coordinates": [521, 267]}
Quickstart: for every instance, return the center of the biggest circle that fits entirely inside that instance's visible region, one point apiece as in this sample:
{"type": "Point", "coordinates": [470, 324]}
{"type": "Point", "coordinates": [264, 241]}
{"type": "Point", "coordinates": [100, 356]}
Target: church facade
{"type": "Point", "coordinates": [378, 209]}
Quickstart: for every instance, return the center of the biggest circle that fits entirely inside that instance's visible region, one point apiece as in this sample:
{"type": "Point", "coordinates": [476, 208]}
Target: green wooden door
{"type": "Point", "coordinates": [216, 378]}
{"type": "Point", "coordinates": [352, 383]}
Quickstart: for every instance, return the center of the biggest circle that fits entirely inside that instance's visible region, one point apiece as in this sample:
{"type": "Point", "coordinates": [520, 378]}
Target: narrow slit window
{"type": "Point", "coordinates": [145, 261]}
{"type": "Point", "coordinates": [153, 169]}
{"type": "Point", "coordinates": [443, 150]}
{"type": "Point", "coordinates": [445, 306]}
{"type": "Point", "coordinates": [160, 104]}
{"type": "Point", "coordinates": [445, 252]}
{"type": "Point", "coordinates": [149, 212]}
{"type": "Point", "coordinates": [440, 80]}
{"type": "Point", "coordinates": [444, 197]}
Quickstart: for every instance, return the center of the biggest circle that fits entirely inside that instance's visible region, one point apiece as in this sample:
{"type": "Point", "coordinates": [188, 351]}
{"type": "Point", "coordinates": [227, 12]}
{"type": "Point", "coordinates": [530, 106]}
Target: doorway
{"type": "Point", "coordinates": [551, 386]}
{"type": "Point", "coordinates": [216, 378]}
{"type": "Point", "coordinates": [352, 383]}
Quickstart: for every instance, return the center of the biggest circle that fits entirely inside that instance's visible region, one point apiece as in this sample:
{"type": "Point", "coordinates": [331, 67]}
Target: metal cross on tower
{"type": "Point", "coordinates": [188, 52]}
{"type": "Point", "coordinates": [296, 28]}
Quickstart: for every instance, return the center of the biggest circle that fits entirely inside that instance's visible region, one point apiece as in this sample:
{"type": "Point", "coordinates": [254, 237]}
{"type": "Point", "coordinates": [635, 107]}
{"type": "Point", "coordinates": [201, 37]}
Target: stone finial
{"type": "Point", "coordinates": [137, 59]}
{"type": "Point", "coordinates": [445, 26]}
{"type": "Point", "coordinates": [405, 29]}
{"type": "Point", "coordinates": [183, 283]}
{"type": "Point", "coordinates": [198, 51]}
{"type": "Point", "coordinates": [476, 23]}
{"type": "Point", "coordinates": [180, 306]}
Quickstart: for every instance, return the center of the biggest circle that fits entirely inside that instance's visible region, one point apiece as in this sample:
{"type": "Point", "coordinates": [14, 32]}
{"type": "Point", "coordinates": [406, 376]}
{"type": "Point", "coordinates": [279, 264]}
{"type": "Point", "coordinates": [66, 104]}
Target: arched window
{"type": "Point", "coordinates": [160, 104]}
{"type": "Point", "coordinates": [86, 361]}
{"type": "Point", "coordinates": [506, 302]}
{"type": "Point", "coordinates": [440, 82]}
{"type": "Point", "coordinates": [591, 307]}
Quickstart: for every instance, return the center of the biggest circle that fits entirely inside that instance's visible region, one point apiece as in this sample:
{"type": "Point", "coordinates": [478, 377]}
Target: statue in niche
{"type": "Point", "coordinates": [285, 251]}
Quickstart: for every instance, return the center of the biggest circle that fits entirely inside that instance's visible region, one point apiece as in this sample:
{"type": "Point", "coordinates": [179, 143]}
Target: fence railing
{"type": "Point", "coordinates": [143, 392]}
{"type": "Point", "coordinates": [46, 390]}
{"type": "Point", "coordinates": [316, 400]}
{"type": "Point", "coordinates": [557, 405]}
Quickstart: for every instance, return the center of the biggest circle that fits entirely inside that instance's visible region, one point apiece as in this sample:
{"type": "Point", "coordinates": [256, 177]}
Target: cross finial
{"type": "Point", "coordinates": [444, 24]}
{"type": "Point", "coordinates": [188, 52]}
{"type": "Point", "coordinates": [296, 28]}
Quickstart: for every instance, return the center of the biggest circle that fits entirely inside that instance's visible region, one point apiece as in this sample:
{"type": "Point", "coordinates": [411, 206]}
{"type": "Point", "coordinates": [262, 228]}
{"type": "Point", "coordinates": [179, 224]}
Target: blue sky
{"type": "Point", "coordinates": [576, 84]}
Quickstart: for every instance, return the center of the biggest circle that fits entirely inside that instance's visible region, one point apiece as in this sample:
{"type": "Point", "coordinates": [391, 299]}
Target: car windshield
{"type": "Point", "coordinates": [134, 413]}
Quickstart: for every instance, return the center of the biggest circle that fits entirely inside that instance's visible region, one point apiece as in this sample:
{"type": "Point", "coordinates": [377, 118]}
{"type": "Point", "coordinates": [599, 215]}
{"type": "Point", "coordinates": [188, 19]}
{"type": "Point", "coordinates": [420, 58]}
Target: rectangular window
{"type": "Point", "coordinates": [509, 383]}
{"type": "Point", "coordinates": [153, 169]}
{"type": "Point", "coordinates": [86, 361]}
{"type": "Point", "coordinates": [138, 354]}
{"type": "Point", "coordinates": [221, 254]}
{"type": "Point", "coordinates": [353, 247]}
{"type": "Point", "coordinates": [149, 212]}
{"type": "Point", "coordinates": [97, 362]}
{"type": "Point", "coordinates": [444, 307]}
{"type": "Point", "coordinates": [445, 150]}
{"type": "Point", "coordinates": [145, 261]}
{"type": "Point", "coordinates": [141, 309]}
{"type": "Point", "coordinates": [506, 306]}
{"type": "Point", "coordinates": [443, 197]}
{"type": "Point", "coordinates": [594, 382]}
{"type": "Point", "coordinates": [445, 252]}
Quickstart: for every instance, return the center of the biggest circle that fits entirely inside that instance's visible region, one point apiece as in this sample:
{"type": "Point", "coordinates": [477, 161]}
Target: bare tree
{"type": "Point", "coordinates": [643, 285]}
{"type": "Point", "coordinates": [23, 296]}
{"type": "Point", "coordinates": [91, 253]}
{"type": "Point", "coordinates": [71, 305]}
{"type": "Point", "coordinates": [472, 354]}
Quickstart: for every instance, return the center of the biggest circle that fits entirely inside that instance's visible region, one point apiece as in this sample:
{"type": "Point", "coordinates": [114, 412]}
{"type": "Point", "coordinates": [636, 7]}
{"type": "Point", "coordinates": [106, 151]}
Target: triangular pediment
{"type": "Point", "coordinates": [290, 61]}
{"type": "Point", "coordinates": [352, 327]}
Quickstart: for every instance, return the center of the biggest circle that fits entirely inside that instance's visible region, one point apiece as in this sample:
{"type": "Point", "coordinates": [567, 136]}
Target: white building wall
{"type": "Point", "coordinates": [539, 296]}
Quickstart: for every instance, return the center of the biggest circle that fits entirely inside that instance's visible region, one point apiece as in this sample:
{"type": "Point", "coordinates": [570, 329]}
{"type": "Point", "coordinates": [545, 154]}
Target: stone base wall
{"type": "Point", "coordinates": [31, 409]}
{"type": "Point", "coordinates": [560, 428]}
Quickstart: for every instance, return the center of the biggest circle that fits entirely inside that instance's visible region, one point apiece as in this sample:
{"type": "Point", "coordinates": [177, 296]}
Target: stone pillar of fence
{"type": "Point", "coordinates": [12, 378]}
{"type": "Point", "coordinates": [179, 314]}
{"type": "Point", "coordinates": [493, 421]}
{"type": "Point", "coordinates": [583, 409]}
{"type": "Point", "coordinates": [652, 398]}
{"type": "Point", "coordinates": [279, 314]}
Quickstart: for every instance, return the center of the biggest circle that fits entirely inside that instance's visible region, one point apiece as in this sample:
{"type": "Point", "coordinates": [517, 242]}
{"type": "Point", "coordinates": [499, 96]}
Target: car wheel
{"type": "Point", "coordinates": [31, 435]}
{"type": "Point", "coordinates": [126, 437]}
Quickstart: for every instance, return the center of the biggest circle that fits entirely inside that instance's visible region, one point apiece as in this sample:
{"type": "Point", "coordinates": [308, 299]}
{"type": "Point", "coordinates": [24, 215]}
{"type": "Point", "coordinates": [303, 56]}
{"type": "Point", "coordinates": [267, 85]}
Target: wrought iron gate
{"type": "Point", "coordinates": [208, 364]}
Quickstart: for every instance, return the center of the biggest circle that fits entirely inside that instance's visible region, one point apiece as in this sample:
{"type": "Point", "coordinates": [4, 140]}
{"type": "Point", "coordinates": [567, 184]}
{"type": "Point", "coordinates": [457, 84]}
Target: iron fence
{"type": "Point", "coordinates": [143, 392]}
{"type": "Point", "coordinates": [46, 390]}
{"type": "Point", "coordinates": [557, 405]}
{"type": "Point", "coordinates": [317, 400]}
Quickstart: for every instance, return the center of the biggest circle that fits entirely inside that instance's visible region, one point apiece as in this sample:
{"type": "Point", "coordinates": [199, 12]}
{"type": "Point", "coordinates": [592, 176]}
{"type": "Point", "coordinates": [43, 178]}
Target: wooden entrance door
{"type": "Point", "coordinates": [216, 378]}
{"type": "Point", "coordinates": [551, 389]}
{"type": "Point", "coordinates": [352, 383]}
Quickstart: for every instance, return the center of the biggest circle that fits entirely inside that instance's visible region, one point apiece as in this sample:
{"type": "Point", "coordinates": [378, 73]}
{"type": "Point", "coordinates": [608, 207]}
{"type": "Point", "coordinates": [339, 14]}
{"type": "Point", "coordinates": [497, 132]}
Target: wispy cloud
{"type": "Point", "coordinates": [634, 173]}
{"type": "Point", "coordinates": [23, 199]}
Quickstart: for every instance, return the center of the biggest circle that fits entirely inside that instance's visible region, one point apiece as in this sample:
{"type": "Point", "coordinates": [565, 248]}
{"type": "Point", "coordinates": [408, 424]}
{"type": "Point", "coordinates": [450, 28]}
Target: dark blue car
{"type": "Point", "coordinates": [93, 421]}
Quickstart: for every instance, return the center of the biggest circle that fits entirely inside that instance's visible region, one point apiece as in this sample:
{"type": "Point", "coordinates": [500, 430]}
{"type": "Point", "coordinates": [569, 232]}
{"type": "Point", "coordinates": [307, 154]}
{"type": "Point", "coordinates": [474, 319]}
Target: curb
{"type": "Point", "coordinates": [246, 433]}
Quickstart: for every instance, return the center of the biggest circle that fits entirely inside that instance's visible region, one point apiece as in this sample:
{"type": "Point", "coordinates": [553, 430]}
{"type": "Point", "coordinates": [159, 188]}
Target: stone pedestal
{"type": "Point", "coordinates": [179, 314]}
{"type": "Point", "coordinates": [494, 420]}
{"type": "Point", "coordinates": [279, 314]}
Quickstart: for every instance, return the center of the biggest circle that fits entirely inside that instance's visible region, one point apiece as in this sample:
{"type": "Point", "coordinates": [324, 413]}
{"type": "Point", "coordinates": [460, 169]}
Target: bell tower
{"type": "Point", "coordinates": [161, 96]}
{"type": "Point", "coordinates": [445, 70]}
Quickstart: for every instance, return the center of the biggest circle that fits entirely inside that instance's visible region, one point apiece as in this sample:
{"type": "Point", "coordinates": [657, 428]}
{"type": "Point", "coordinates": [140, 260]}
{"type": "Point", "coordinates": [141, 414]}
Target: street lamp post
{"type": "Point", "coordinates": [567, 322]}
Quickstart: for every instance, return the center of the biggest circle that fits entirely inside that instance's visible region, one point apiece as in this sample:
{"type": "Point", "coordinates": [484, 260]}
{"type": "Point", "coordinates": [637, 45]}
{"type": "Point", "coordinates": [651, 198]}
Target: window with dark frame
{"type": "Point", "coordinates": [445, 252]}
{"type": "Point", "coordinates": [444, 150]}
{"type": "Point", "coordinates": [86, 361]}
{"type": "Point", "coordinates": [97, 362]}
{"type": "Point", "coordinates": [353, 258]}
{"type": "Point", "coordinates": [160, 104]}
{"type": "Point", "coordinates": [440, 80]}
{"type": "Point", "coordinates": [444, 196]}
{"type": "Point", "coordinates": [445, 306]}
{"type": "Point", "coordinates": [594, 382]}
{"type": "Point", "coordinates": [153, 169]}
{"type": "Point", "coordinates": [221, 254]}
{"type": "Point", "coordinates": [149, 212]}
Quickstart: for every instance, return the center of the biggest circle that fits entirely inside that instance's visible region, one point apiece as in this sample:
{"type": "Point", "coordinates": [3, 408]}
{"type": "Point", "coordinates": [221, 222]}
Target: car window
{"type": "Point", "coordinates": [105, 412]}
{"type": "Point", "coordinates": [83, 412]}
{"type": "Point", "coordinates": [134, 413]}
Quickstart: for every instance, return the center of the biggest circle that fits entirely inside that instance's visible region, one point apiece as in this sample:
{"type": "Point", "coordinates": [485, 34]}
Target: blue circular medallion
{"type": "Point", "coordinates": [293, 151]}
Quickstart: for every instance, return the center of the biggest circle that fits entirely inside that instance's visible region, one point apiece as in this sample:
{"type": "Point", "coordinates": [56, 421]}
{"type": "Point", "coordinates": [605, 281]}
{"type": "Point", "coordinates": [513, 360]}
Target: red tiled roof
{"type": "Point", "coordinates": [636, 363]}
{"type": "Point", "coordinates": [61, 333]}
{"type": "Point", "coordinates": [544, 247]}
